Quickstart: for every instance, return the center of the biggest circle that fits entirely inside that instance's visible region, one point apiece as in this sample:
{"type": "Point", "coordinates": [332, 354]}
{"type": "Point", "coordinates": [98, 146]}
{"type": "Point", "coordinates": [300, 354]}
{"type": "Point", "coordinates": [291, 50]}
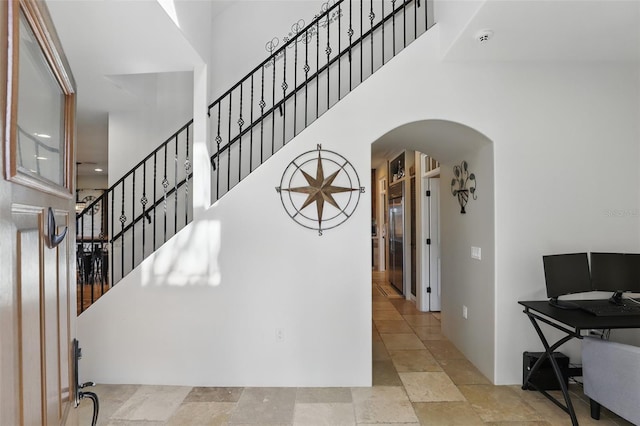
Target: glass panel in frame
{"type": "Point", "coordinates": [39, 101]}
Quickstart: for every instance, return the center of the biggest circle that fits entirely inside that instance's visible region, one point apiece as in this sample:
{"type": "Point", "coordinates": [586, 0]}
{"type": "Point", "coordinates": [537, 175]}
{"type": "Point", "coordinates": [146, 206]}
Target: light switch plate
{"type": "Point", "coordinates": [476, 253]}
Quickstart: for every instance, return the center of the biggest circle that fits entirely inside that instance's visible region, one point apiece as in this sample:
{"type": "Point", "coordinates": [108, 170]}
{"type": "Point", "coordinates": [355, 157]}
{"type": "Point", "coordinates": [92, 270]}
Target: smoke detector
{"type": "Point", "coordinates": [483, 36]}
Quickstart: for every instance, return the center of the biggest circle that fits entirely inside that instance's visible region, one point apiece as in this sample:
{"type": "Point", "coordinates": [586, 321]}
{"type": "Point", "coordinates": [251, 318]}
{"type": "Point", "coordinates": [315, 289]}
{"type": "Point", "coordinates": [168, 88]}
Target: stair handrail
{"type": "Point", "coordinates": [324, 20]}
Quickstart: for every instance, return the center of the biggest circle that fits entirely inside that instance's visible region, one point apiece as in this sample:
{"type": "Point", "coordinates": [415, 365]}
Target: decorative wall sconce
{"type": "Point", "coordinates": [462, 177]}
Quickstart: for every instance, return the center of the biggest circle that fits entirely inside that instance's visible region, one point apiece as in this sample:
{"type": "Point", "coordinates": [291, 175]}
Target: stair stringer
{"type": "Point", "coordinates": [276, 304]}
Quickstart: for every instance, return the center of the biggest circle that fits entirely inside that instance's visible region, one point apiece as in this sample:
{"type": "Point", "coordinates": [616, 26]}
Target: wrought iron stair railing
{"type": "Point", "coordinates": [319, 65]}
{"type": "Point", "coordinates": [315, 68]}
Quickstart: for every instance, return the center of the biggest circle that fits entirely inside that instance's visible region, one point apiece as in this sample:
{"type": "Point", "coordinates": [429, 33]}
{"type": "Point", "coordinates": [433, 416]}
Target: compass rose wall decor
{"type": "Point", "coordinates": [320, 189]}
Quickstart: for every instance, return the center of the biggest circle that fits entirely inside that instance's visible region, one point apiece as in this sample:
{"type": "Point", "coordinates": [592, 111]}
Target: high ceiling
{"type": "Point", "coordinates": [107, 40]}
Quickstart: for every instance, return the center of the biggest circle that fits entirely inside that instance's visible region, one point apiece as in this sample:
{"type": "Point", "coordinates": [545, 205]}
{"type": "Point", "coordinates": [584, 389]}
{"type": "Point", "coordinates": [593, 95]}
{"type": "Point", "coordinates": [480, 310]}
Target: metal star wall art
{"type": "Point", "coordinates": [335, 196]}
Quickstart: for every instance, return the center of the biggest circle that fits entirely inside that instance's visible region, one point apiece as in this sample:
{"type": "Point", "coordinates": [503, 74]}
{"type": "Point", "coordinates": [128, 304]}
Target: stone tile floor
{"type": "Point", "coordinates": [419, 377]}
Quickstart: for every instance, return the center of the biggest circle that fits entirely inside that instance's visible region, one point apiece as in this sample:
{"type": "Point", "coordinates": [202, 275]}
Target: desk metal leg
{"type": "Point", "coordinates": [556, 369]}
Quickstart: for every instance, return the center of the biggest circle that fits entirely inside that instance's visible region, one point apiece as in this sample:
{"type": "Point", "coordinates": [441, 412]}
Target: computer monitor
{"type": "Point", "coordinates": [566, 274]}
{"type": "Point", "coordinates": [616, 272]}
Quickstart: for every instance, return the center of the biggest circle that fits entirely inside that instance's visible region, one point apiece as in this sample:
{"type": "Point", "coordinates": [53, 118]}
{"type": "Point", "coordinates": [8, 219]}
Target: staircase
{"type": "Point", "coordinates": [319, 65]}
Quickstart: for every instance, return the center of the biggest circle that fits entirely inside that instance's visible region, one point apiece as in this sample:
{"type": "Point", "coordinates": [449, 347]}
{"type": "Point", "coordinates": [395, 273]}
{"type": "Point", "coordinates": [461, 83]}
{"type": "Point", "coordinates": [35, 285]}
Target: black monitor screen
{"type": "Point", "coordinates": [566, 274]}
{"type": "Point", "coordinates": [618, 272]}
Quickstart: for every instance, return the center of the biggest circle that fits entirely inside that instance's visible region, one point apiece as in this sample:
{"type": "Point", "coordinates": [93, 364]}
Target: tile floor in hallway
{"type": "Point", "coordinates": [419, 377]}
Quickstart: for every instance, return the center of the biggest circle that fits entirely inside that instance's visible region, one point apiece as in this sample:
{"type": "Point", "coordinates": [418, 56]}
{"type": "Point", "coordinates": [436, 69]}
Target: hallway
{"type": "Point", "coordinates": [419, 377]}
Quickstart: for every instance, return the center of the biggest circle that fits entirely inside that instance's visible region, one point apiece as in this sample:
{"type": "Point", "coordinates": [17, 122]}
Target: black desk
{"type": "Point", "coordinates": [572, 322]}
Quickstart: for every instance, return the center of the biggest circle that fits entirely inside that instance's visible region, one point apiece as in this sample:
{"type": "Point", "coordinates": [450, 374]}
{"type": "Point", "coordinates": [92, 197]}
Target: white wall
{"type": "Point", "coordinates": [157, 113]}
{"type": "Point", "coordinates": [456, 15]}
{"type": "Point", "coordinates": [239, 48]}
{"type": "Point", "coordinates": [565, 148]}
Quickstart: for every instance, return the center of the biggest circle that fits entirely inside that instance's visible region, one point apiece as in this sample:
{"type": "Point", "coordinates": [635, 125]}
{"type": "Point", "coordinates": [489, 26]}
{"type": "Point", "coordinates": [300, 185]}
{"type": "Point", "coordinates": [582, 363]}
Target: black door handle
{"type": "Point", "coordinates": [53, 239]}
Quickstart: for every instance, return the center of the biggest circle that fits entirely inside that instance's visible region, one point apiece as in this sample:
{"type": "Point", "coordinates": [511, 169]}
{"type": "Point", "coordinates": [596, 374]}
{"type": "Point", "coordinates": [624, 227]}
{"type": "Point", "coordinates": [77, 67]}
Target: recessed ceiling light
{"type": "Point", "coordinates": [484, 36]}
{"type": "Point", "coordinates": [98, 170]}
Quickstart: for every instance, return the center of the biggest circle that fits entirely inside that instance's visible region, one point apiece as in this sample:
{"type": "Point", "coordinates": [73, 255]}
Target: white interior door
{"type": "Point", "coordinates": [431, 255]}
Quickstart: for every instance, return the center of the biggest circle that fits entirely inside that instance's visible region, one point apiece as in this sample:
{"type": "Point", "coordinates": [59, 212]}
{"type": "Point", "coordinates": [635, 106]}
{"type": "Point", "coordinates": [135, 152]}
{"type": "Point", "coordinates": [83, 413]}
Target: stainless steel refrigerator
{"type": "Point", "coordinates": [396, 236]}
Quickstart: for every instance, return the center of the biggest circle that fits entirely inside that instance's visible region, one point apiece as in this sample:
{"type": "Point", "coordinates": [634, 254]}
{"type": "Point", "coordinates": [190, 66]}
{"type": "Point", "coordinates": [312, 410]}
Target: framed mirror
{"type": "Point", "coordinates": [39, 101]}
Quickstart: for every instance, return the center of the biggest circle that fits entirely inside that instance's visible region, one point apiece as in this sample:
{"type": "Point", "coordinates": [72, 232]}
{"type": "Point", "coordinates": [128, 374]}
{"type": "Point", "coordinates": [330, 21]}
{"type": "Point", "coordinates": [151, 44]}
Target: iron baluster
{"type": "Point", "coordinates": [229, 146]}
{"type": "Point", "coordinates": [113, 231]}
{"type": "Point", "coordinates": [372, 16]}
{"type": "Point", "coordinates": [144, 201]}
{"type": "Point", "coordinates": [382, 12]}
{"type": "Point", "coordinates": [155, 197]}
{"type": "Point", "coordinates": [328, 52]}
{"type": "Point", "coordinates": [393, 22]}
{"type": "Point", "coordinates": [175, 187]}
{"type": "Point", "coordinates": [165, 185]}
{"type": "Point", "coordinates": [187, 172]}
{"type": "Point", "coordinates": [339, 48]}
{"type": "Point", "coordinates": [123, 219]}
{"type": "Point", "coordinates": [251, 134]}
{"type": "Point", "coordinates": [317, 68]}
{"type": "Point", "coordinates": [404, 23]}
{"type": "Point", "coordinates": [80, 262]}
{"type": "Point", "coordinates": [262, 105]}
{"type": "Point", "coordinates": [295, 85]}
{"type": "Point", "coordinates": [306, 81]}
{"type": "Point", "coordinates": [218, 140]}
{"type": "Point", "coordinates": [240, 123]}
{"type": "Point", "coordinates": [426, 17]}
{"type": "Point", "coordinates": [416, 5]}
{"type": "Point", "coordinates": [273, 104]}
{"type": "Point", "coordinates": [361, 38]}
{"type": "Point", "coordinates": [133, 216]}
{"type": "Point", "coordinates": [350, 34]}
{"type": "Point", "coordinates": [284, 95]}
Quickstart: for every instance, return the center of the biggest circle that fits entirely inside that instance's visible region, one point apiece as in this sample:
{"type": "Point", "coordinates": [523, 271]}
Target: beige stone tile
{"type": "Point", "coordinates": [385, 374]}
{"type": "Point", "coordinates": [212, 394]}
{"type": "Point", "coordinates": [324, 414]}
{"type": "Point", "coordinates": [401, 341]}
{"type": "Point", "coordinates": [387, 315]}
{"type": "Point", "coordinates": [429, 333]}
{"type": "Point", "coordinates": [555, 416]}
{"type": "Point", "coordinates": [324, 395]}
{"type": "Point", "coordinates": [398, 327]}
{"type": "Point", "coordinates": [443, 349]}
{"type": "Point", "coordinates": [422, 320]}
{"type": "Point", "coordinates": [430, 387]}
{"type": "Point", "coordinates": [111, 398]}
{"type": "Point", "coordinates": [265, 406]}
{"type": "Point", "coordinates": [133, 423]}
{"type": "Point", "coordinates": [462, 372]}
{"type": "Point", "coordinates": [379, 351]}
{"type": "Point", "coordinates": [446, 413]}
{"type": "Point", "coordinates": [202, 414]}
{"type": "Point", "coordinates": [498, 404]}
{"type": "Point", "coordinates": [152, 403]}
{"type": "Point", "coordinates": [414, 360]}
{"type": "Point", "coordinates": [383, 404]}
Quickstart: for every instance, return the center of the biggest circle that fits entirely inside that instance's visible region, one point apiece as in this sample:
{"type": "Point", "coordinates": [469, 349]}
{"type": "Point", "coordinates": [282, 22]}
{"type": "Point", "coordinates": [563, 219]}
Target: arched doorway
{"type": "Point", "coordinates": [467, 283]}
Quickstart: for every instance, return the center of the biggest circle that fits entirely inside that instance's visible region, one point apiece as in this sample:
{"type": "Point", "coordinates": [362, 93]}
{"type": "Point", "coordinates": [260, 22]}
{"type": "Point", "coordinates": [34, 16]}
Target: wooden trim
{"type": "Point", "coordinates": [38, 18]}
{"type": "Point", "coordinates": [43, 331]}
{"type": "Point", "coordinates": [10, 86]}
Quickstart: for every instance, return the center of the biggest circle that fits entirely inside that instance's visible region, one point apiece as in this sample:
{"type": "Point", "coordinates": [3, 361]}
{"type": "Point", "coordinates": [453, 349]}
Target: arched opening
{"type": "Point", "coordinates": [465, 269]}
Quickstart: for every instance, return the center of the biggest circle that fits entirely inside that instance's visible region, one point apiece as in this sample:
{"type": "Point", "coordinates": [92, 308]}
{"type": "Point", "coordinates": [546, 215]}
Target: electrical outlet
{"type": "Point", "coordinates": [465, 312]}
{"type": "Point", "coordinates": [279, 335]}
